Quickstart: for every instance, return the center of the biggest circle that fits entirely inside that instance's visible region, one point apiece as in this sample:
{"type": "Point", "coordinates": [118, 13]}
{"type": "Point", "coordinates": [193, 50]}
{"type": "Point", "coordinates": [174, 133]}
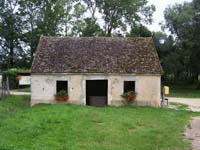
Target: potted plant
{"type": "Point", "coordinates": [129, 96]}
{"type": "Point", "coordinates": [61, 96]}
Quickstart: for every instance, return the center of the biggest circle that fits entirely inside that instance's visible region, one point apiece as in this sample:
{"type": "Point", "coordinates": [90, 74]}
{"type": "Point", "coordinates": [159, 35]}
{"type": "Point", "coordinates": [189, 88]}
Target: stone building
{"type": "Point", "coordinates": [96, 66]}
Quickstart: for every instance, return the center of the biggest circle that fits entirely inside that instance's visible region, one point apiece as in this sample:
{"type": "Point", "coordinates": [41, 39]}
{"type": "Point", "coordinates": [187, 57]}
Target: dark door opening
{"type": "Point", "coordinates": [97, 92]}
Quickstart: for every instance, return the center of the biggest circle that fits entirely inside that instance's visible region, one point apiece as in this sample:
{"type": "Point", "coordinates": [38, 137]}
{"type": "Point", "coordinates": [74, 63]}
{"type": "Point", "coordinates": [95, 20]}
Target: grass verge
{"type": "Point", "coordinates": [184, 91]}
{"type": "Point", "coordinates": [24, 90]}
{"type": "Point", "coordinates": [74, 127]}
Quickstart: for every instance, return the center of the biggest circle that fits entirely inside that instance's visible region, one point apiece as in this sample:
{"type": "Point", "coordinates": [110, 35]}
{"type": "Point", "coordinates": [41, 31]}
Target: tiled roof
{"type": "Point", "coordinates": [96, 55]}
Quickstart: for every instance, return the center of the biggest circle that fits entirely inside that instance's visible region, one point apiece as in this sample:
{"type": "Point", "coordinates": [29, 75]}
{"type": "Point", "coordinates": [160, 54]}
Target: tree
{"type": "Point", "coordinates": [183, 20]}
{"type": "Point", "coordinates": [30, 14]}
{"type": "Point", "coordinates": [41, 17]}
{"type": "Point", "coordinates": [50, 17]}
{"type": "Point", "coordinates": [92, 7]}
{"type": "Point", "coordinates": [77, 18]}
{"type": "Point", "coordinates": [118, 14]}
{"type": "Point", "coordinates": [169, 54]}
{"type": "Point", "coordinates": [67, 19]}
{"type": "Point", "coordinates": [91, 28]}
{"type": "Point", "coordinates": [139, 30]}
{"type": "Point", "coordinates": [10, 30]}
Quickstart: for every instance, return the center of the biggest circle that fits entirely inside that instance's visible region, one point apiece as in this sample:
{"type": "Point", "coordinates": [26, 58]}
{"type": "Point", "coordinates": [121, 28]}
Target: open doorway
{"type": "Point", "coordinates": [97, 92]}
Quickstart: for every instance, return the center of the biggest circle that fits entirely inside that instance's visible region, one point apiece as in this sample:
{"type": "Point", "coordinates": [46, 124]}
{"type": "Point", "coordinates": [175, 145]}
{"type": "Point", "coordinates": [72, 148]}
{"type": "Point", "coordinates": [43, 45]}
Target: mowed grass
{"type": "Point", "coordinates": [23, 90]}
{"type": "Point", "coordinates": [74, 127]}
{"type": "Point", "coordinates": [184, 91]}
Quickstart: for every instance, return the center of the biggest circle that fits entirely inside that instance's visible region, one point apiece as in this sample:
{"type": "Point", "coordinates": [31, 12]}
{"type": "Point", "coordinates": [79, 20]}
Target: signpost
{"type": "Point", "coordinates": [164, 92]}
{"type": "Point", "coordinates": [25, 80]}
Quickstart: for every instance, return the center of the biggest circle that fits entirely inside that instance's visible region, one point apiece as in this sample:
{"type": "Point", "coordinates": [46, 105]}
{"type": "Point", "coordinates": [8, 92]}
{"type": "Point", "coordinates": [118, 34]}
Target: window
{"type": "Point", "coordinates": [129, 86]}
{"type": "Point", "coordinates": [61, 85]}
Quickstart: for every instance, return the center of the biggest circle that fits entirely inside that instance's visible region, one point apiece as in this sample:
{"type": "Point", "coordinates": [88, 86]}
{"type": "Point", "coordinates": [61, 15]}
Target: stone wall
{"type": "Point", "coordinates": [43, 87]}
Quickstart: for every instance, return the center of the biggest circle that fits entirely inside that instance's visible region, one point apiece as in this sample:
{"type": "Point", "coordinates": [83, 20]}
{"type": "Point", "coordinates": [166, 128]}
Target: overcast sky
{"type": "Point", "coordinates": [160, 7]}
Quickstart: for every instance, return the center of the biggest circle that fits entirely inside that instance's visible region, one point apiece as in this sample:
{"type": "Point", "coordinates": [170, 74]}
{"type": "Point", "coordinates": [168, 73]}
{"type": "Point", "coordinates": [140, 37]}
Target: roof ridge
{"type": "Point", "coordinates": [91, 37]}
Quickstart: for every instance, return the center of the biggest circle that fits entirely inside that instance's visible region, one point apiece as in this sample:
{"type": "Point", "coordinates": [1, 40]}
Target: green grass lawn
{"type": "Point", "coordinates": [184, 91]}
{"type": "Point", "coordinates": [74, 127]}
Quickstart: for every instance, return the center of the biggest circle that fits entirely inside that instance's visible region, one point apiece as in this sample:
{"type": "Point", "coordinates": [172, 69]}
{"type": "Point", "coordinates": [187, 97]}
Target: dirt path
{"type": "Point", "coordinates": [193, 103]}
{"type": "Point", "coordinates": [193, 133]}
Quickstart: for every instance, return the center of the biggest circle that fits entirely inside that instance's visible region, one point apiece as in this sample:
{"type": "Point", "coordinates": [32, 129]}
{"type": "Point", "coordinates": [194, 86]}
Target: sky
{"type": "Point", "coordinates": [159, 15]}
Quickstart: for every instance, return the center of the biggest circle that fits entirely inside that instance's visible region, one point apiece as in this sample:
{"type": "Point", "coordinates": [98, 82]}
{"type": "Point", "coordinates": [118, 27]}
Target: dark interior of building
{"type": "Point", "coordinates": [96, 92]}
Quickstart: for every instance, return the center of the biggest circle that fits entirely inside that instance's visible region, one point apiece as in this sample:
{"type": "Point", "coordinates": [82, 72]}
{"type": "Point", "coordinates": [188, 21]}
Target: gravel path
{"type": "Point", "coordinates": [193, 103]}
{"type": "Point", "coordinates": [193, 133]}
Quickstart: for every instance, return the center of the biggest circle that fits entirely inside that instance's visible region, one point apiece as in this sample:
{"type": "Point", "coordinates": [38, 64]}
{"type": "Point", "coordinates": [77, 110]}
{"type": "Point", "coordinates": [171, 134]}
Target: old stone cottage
{"type": "Point", "coordinates": [96, 66]}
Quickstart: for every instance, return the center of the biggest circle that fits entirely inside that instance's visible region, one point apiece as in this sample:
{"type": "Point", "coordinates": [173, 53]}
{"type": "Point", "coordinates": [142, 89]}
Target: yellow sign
{"type": "Point", "coordinates": [166, 90]}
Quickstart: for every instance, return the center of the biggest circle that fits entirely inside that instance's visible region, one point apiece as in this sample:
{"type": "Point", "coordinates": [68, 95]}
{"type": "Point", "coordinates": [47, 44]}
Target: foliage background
{"type": "Point", "coordinates": [22, 23]}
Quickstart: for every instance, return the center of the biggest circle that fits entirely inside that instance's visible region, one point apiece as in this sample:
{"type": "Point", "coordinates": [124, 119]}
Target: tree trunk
{"type": "Point", "coordinates": [11, 55]}
{"type": "Point", "coordinates": [198, 86]}
{"type": "Point", "coordinates": [109, 31]}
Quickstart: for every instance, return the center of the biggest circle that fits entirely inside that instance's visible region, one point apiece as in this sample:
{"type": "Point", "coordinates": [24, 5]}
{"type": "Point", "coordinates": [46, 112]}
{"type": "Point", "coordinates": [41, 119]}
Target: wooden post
{"type": "Point", "coordinates": [1, 90]}
{"type": "Point", "coordinates": [7, 86]}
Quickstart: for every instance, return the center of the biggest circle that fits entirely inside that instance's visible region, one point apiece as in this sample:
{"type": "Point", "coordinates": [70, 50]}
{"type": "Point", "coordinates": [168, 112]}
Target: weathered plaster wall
{"type": "Point", "coordinates": [43, 88]}
{"type": "Point", "coordinates": [149, 89]}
